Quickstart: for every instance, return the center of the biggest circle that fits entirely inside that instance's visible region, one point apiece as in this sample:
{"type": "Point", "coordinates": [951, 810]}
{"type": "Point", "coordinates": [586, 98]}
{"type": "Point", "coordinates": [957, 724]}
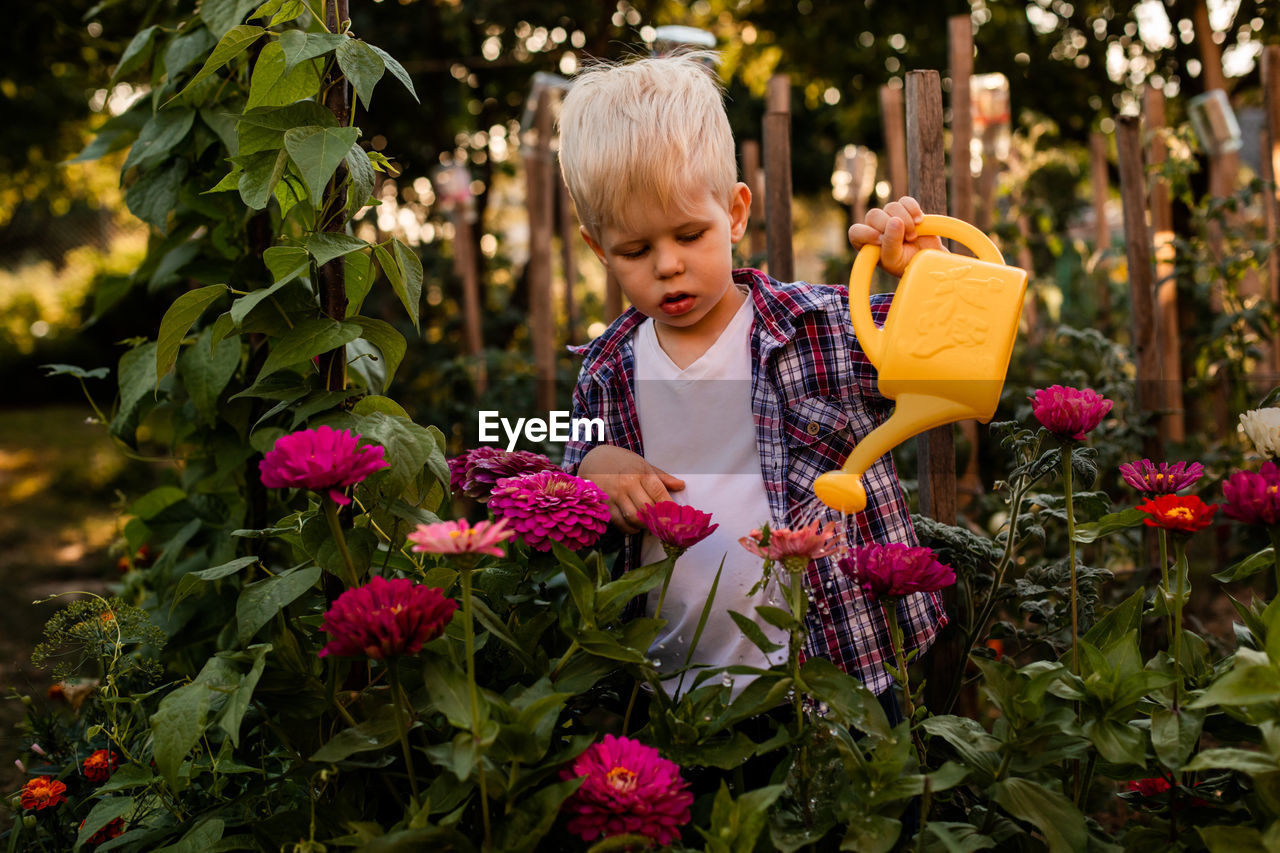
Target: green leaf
{"type": "Point", "coordinates": [231, 45]}
{"type": "Point", "coordinates": [754, 633]}
{"type": "Point", "coordinates": [1109, 524]}
{"type": "Point", "coordinates": [871, 833]}
{"type": "Point", "coordinates": [1116, 741]}
{"type": "Point", "coordinates": [358, 271]}
{"type": "Point", "coordinates": [362, 66]}
{"type": "Point", "coordinates": [1229, 758]}
{"type": "Point", "coordinates": [156, 501]}
{"type": "Point", "coordinates": [397, 70]}
{"type": "Point", "coordinates": [524, 826]}
{"type": "Point", "coordinates": [103, 812]}
{"type": "Point", "coordinates": [199, 840]}
{"type": "Point", "coordinates": [975, 746]}
{"type": "Point", "coordinates": [263, 129]}
{"type": "Point", "coordinates": [260, 602]}
{"type": "Point", "coordinates": [275, 85]}
{"type": "Point", "coordinates": [158, 137]}
{"type": "Point", "coordinates": [137, 373]}
{"type": "Point", "coordinates": [155, 193]}
{"type": "Point", "coordinates": [286, 263]}
{"type": "Point", "coordinates": [128, 776]}
{"type": "Point", "coordinates": [325, 246]}
{"type": "Point", "coordinates": [363, 180]}
{"type": "Point", "coordinates": [1233, 839]}
{"type": "Point", "coordinates": [138, 52]}
{"type": "Point", "coordinates": [205, 370]}
{"type": "Point", "coordinates": [221, 15]}
{"type": "Point", "coordinates": [583, 592]}
{"type": "Point", "coordinates": [958, 837]}
{"type": "Point", "coordinates": [176, 727]}
{"type": "Point", "coordinates": [389, 342]}
{"type": "Point", "coordinates": [409, 448]}
{"type": "Point", "coordinates": [1053, 814]}
{"type": "Point", "coordinates": [226, 569]}
{"type": "Point", "coordinates": [1119, 622]}
{"type": "Point", "coordinates": [299, 46]}
{"type": "Point", "coordinates": [306, 340]}
{"type": "Point", "coordinates": [1174, 734]}
{"type": "Point", "coordinates": [1248, 567]}
{"type": "Point", "coordinates": [237, 705]}
{"type": "Point", "coordinates": [450, 693]}
{"type": "Point", "coordinates": [171, 262]}
{"type": "Point", "coordinates": [1246, 684]}
{"type": "Point", "coordinates": [411, 268]}
{"type": "Point", "coordinates": [78, 372]}
{"type": "Point", "coordinates": [177, 321]}
{"type": "Point", "coordinates": [280, 11]}
{"type": "Point", "coordinates": [260, 174]}
{"type": "Point", "coordinates": [374, 733]}
{"type": "Point", "coordinates": [317, 152]}
{"type": "Point", "coordinates": [848, 701]}
{"type": "Point", "coordinates": [184, 50]}
{"type": "Point", "coordinates": [776, 616]}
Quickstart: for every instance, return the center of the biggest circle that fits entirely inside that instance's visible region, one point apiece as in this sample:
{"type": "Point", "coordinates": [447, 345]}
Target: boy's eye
{"type": "Point", "coordinates": [689, 238]}
{"type": "Point", "coordinates": [634, 253]}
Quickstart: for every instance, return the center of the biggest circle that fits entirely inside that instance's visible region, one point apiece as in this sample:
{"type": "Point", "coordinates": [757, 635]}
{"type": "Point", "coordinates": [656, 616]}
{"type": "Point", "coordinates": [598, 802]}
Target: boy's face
{"type": "Point", "coordinates": [677, 267]}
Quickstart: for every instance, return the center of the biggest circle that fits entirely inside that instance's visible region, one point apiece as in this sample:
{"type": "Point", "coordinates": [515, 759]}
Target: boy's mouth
{"type": "Point", "coordinates": [675, 304]}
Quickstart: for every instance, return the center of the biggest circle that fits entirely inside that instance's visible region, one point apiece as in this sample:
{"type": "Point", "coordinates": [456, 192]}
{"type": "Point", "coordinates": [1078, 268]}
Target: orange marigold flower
{"type": "Point", "coordinates": [1179, 513]}
{"type": "Point", "coordinates": [99, 766]}
{"type": "Point", "coordinates": [43, 792]}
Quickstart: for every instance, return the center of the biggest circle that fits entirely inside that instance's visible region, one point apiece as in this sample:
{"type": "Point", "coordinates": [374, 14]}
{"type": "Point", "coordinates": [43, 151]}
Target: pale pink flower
{"type": "Point", "coordinates": [1069, 413]}
{"type": "Point", "coordinates": [322, 460]}
{"type": "Point", "coordinates": [795, 549]}
{"type": "Point", "coordinates": [627, 789]}
{"type": "Point", "coordinates": [458, 537]}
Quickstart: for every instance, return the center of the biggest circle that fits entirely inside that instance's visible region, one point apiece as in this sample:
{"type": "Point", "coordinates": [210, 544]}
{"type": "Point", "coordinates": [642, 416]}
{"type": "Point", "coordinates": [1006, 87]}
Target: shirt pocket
{"type": "Point", "coordinates": [813, 420]}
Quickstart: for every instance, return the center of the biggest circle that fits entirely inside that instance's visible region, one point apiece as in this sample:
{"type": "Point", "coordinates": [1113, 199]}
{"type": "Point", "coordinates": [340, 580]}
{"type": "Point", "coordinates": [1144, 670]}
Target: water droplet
{"type": "Point", "coordinates": [726, 680]}
{"type": "Point", "coordinates": [680, 638]}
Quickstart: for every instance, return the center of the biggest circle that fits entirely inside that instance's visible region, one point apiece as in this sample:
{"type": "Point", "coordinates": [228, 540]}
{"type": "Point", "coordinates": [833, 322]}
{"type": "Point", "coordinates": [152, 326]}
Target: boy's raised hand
{"type": "Point", "coordinates": [629, 481]}
{"type": "Point", "coordinates": [893, 229]}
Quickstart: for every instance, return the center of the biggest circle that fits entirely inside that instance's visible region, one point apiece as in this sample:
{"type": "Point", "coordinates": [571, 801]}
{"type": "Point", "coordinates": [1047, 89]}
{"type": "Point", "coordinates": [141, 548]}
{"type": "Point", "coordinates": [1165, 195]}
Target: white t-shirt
{"type": "Point", "coordinates": [697, 425]}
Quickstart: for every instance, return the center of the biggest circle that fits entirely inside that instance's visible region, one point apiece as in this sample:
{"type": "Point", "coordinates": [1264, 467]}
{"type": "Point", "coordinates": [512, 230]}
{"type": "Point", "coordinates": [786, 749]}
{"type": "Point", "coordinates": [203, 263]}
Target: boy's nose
{"type": "Point", "coordinates": [667, 263]}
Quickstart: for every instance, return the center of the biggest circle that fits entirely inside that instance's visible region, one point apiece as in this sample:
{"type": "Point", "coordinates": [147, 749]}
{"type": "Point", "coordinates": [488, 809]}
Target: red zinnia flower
{"type": "Point", "coordinates": [678, 527]}
{"type": "Point", "coordinates": [1069, 413]}
{"type": "Point", "coordinates": [1149, 787]}
{"type": "Point", "coordinates": [629, 789]}
{"type": "Point", "coordinates": [1253, 498]}
{"type": "Point", "coordinates": [106, 833]}
{"type": "Point", "coordinates": [896, 569]}
{"type": "Point", "coordinates": [42, 792]}
{"type": "Point", "coordinates": [99, 766]}
{"type": "Point", "coordinates": [552, 506]}
{"type": "Point", "coordinates": [1179, 513]}
{"type": "Point", "coordinates": [795, 549]}
{"type": "Point", "coordinates": [1162, 479]}
{"type": "Point", "coordinates": [385, 618]}
{"type": "Point", "coordinates": [322, 460]}
{"type": "Point", "coordinates": [458, 537]}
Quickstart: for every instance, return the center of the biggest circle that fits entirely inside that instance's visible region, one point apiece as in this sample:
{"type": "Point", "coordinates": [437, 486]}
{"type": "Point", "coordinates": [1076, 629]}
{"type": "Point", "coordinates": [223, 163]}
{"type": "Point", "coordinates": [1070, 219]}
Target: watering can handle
{"type": "Point", "coordinates": [864, 265]}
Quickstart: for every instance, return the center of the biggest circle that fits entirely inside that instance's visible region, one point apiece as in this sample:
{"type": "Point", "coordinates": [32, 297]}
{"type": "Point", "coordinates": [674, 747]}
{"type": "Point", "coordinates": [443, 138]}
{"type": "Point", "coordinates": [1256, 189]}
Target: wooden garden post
{"type": "Point", "coordinates": [927, 181]}
{"type": "Point", "coordinates": [895, 139]}
{"type": "Point", "coordinates": [1137, 241]}
{"type": "Point", "coordinates": [777, 180]}
{"type": "Point", "coordinates": [1271, 200]}
{"type": "Point", "coordinates": [1101, 228]}
{"type": "Point", "coordinates": [332, 275]}
{"type": "Point", "coordinates": [1173, 425]}
{"type": "Point", "coordinates": [541, 203]}
{"type": "Point", "coordinates": [464, 261]}
{"type": "Point", "coordinates": [753, 177]}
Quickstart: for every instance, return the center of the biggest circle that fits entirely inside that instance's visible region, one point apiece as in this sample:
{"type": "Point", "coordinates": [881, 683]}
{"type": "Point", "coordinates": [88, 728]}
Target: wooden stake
{"type": "Point", "coordinates": [333, 275]}
{"type": "Point", "coordinates": [1270, 168]}
{"type": "Point", "coordinates": [1173, 424]}
{"type": "Point", "coordinates": [777, 184]}
{"type": "Point", "coordinates": [895, 139]}
{"type": "Point", "coordinates": [1137, 241]}
{"type": "Point", "coordinates": [1101, 228]}
{"type": "Point", "coordinates": [541, 202]}
{"type": "Point", "coordinates": [569, 238]}
{"type": "Point", "coordinates": [753, 177]}
{"type": "Point", "coordinates": [464, 263]}
{"type": "Point", "coordinates": [927, 181]}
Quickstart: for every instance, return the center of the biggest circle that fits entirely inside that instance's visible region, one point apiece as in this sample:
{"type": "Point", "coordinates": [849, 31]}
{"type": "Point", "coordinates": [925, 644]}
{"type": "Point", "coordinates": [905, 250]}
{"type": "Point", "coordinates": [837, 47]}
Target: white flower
{"type": "Point", "coordinates": [1263, 428]}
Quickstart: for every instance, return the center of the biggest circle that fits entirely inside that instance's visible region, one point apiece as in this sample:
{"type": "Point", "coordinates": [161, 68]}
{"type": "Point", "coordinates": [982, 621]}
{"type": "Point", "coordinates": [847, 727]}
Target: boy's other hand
{"type": "Point", "coordinates": [893, 229]}
{"type": "Point", "coordinates": [629, 481]}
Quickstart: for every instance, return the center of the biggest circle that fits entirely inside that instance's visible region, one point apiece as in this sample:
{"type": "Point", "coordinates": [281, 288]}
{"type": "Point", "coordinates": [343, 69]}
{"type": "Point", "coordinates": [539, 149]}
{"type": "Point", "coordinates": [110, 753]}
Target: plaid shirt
{"type": "Point", "coordinates": [813, 397]}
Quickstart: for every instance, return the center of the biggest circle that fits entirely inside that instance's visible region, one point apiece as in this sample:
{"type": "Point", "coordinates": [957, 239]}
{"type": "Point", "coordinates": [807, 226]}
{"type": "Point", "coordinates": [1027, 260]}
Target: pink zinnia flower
{"type": "Point", "coordinates": [1162, 479]}
{"type": "Point", "coordinates": [99, 766]}
{"type": "Point", "coordinates": [896, 569]}
{"type": "Point", "coordinates": [678, 527]}
{"type": "Point", "coordinates": [795, 549]}
{"type": "Point", "coordinates": [1069, 413]}
{"type": "Point", "coordinates": [458, 472]}
{"type": "Point", "coordinates": [552, 506]}
{"type": "Point", "coordinates": [1253, 498]}
{"type": "Point", "coordinates": [629, 789]}
{"type": "Point", "coordinates": [386, 618]}
{"type": "Point", "coordinates": [485, 466]}
{"type": "Point", "coordinates": [458, 537]}
{"type": "Point", "coordinates": [322, 460]}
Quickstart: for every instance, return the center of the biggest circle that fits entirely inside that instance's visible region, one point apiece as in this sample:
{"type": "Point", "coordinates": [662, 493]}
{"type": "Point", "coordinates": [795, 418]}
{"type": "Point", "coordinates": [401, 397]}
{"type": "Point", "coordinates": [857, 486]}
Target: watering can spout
{"type": "Point", "coordinates": [944, 349]}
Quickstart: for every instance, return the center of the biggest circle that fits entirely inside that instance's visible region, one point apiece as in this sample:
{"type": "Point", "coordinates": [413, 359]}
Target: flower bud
{"type": "Point", "coordinates": [22, 768]}
{"type": "Point", "coordinates": [39, 750]}
{"type": "Point", "coordinates": [29, 821]}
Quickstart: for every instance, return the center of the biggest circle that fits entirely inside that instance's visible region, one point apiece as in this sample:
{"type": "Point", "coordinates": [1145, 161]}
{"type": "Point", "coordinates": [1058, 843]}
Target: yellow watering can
{"type": "Point", "coordinates": [944, 349]}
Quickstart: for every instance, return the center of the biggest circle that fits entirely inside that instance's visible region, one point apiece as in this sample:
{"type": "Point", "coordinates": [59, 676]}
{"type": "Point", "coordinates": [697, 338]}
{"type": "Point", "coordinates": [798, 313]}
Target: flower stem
{"type": "Point", "coordinates": [470, 638]}
{"type": "Point", "coordinates": [666, 582]}
{"type": "Point", "coordinates": [398, 701]}
{"type": "Point", "coordinates": [1179, 550]}
{"type": "Point", "coordinates": [890, 607]}
{"type": "Point", "coordinates": [1274, 532]}
{"type": "Point", "coordinates": [795, 642]}
{"type": "Point", "coordinates": [335, 529]}
{"type": "Point", "coordinates": [1071, 558]}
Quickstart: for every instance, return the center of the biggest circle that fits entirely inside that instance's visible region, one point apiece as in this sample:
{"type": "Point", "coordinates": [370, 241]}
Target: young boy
{"type": "Point", "coordinates": [722, 389]}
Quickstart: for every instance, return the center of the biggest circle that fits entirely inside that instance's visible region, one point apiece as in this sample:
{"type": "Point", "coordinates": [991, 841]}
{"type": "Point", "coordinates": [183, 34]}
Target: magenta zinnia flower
{"type": "Point", "coordinates": [628, 789]}
{"type": "Point", "coordinates": [896, 569]}
{"type": "Point", "coordinates": [1253, 498]}
{"type": "Point", "coordinates": [323, 460]}
{"type": "Point", "coordinates": [485, 466]}
{"type": "Point", "coordinates": [386, 618]}
{"type": "Point", "coordinates": [552, 506]}
{"type": "Point", "coordinates": [795, 549]}
{"type": "Point", "coordinates": [1069, 413]}
{"type": "Point", "coordinates": [678, 527]}
{"type": "Point", "coordinates": [458, 537]}
{"type": "Point", "coordinates": [458, 472]}
{"type": "Point", "coordinates": [1162, 479]}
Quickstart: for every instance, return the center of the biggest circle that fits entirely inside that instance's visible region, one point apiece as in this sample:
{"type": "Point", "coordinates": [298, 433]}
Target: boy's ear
{"type": "Point", "coordinates": [595, 247]}
{"type": "Point", "coordinates": [739, 211]}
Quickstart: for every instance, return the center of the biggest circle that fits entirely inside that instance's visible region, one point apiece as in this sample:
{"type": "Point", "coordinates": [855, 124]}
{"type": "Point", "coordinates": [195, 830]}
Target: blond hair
{"type": "Point", "coordinates": [651, 130]}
